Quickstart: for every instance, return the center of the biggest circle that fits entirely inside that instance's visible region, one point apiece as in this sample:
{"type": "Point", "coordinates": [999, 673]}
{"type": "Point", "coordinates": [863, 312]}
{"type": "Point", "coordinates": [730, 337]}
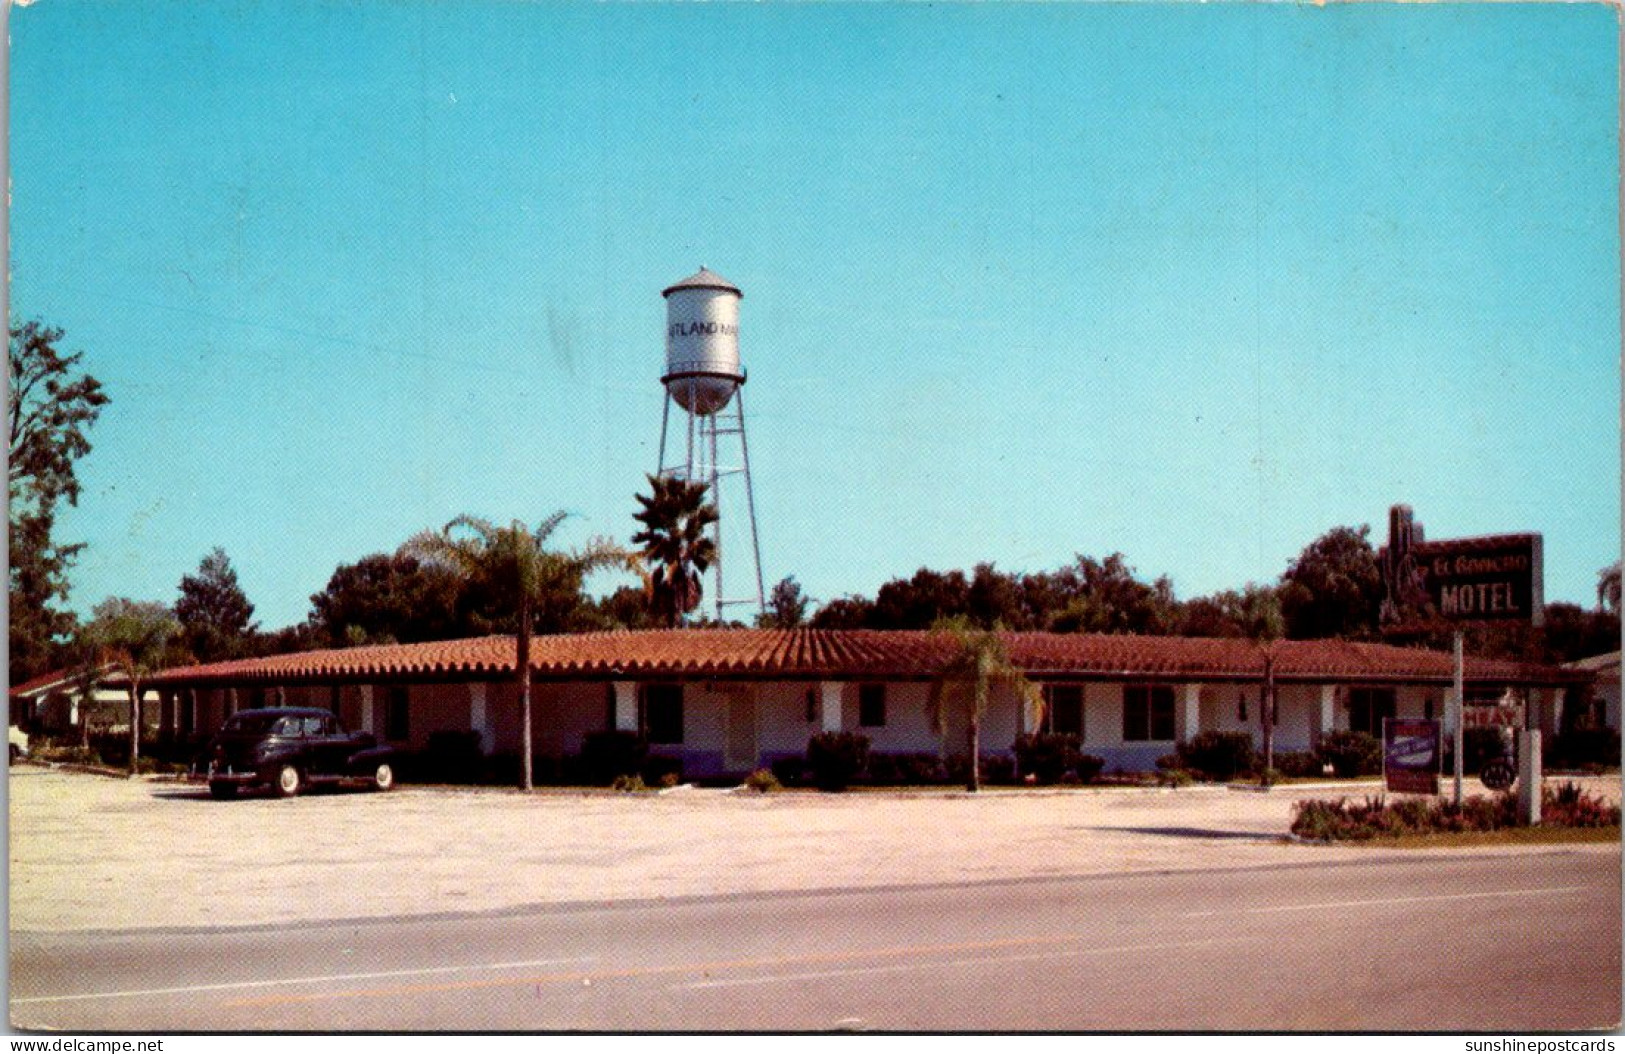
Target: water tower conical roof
{"type": "Point", "coordinates": [703, 279]}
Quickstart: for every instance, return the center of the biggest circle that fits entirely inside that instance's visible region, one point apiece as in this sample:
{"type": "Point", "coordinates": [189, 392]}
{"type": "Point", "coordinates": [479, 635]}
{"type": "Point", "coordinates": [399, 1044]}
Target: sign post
{"type": "Point", "coordinates": [1460, 717]}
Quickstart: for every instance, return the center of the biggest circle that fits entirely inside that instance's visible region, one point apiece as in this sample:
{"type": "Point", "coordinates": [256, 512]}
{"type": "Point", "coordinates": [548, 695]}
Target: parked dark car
{"type": "Point", "coordinates": [289, 748]}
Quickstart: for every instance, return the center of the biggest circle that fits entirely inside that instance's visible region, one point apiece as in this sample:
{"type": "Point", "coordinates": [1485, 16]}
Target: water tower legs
{"type": "Point", "coordinates": [708, 439]}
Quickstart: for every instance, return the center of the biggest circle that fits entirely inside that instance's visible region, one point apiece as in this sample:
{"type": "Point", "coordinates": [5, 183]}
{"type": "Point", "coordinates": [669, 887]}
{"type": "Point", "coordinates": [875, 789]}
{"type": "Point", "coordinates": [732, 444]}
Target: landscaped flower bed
{"type": "Point", "coordinates": [1565, 806]}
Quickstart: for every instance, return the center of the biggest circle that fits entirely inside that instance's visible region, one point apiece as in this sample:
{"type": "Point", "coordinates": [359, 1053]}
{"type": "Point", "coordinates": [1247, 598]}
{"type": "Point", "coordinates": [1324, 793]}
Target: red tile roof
{"type": "Point", "coordinates": [58, 678]}
{"type": "Point", "coordinates": [836, 654]}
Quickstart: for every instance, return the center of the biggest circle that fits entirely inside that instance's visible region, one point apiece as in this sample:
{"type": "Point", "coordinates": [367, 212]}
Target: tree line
{"type": "Point", "coordinates": [473, 577]}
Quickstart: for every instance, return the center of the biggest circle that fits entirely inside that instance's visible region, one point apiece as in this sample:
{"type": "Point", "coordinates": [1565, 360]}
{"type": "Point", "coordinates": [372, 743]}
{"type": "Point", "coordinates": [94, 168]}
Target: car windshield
{"type": "Point", "coordinates": [276, 724]}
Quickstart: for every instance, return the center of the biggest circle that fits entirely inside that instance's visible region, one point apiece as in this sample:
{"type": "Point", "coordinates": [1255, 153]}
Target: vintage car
{"type": "Point", "coordinates": [290, 748]}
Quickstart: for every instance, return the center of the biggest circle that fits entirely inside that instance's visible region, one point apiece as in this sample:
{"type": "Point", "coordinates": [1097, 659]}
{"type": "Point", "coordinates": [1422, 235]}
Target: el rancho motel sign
{"type": "Point", "coordinates": [1492, 578]}
{"type": "Point", "coordinates": [1496, 577]}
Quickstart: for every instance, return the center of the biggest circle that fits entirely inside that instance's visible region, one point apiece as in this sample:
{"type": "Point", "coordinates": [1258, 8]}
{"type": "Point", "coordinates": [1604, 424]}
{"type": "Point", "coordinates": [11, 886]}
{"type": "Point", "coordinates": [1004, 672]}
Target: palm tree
{"type": "Point", "coordinates": [520, 574]}
{"type": "Point", "coordinates": [1261, 619]}
{"type": "Point", "coordinates": [1608, 587]}
{"type": "Point", "coordinates": [135, 639]}
{"type": "Point", "coordinates": [675, 517]}
{"type": "Point", "coordinates": [979, 663]}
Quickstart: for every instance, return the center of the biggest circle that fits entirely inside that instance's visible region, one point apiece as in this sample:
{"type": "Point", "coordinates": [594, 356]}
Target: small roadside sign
{"type": "Point", "coordinates": [1410, 755]}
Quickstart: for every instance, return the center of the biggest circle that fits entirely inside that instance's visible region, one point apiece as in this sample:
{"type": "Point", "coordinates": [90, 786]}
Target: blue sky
{"type": "Point", "coordinates": [1192, 282]}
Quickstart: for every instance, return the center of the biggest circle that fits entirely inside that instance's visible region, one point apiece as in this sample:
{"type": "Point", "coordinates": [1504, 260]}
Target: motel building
{"type": "Point", "coordinates": [725, 702]}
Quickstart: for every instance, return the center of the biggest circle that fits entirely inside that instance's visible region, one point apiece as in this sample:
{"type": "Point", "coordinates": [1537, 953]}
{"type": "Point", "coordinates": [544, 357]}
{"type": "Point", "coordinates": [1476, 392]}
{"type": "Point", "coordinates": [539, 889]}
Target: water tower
{"type": "Point", "coordinates": [705, 380]}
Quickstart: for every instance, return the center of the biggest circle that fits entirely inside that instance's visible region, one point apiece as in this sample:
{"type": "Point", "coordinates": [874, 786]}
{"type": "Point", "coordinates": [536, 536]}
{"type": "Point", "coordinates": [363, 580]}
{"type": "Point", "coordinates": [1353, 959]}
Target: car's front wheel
{"type": "Point", "coordinates": [383, 777]}
{"type": "Point", "coordinates": [287, 782]}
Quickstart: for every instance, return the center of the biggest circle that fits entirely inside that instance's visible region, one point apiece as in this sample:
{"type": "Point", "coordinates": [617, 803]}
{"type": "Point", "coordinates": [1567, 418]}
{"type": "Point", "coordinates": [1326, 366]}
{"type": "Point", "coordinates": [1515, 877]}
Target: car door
{"type": "Point", "coordinates": [322, 746]}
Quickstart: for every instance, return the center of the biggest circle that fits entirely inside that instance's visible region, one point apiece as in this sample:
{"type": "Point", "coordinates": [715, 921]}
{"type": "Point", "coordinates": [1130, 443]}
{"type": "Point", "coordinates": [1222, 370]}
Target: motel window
{"type": "Point", "coordinates": [1367, 708]}
{"type": "Point", "coordinates": [812, 705]}
{"type": "Point", "coordinates": [1148, 713]}
{"type": "Point", "coordinates": [663, 713]}
{"type": "Point", "coordinates": [335, 696]}
{"type": "Point", "coordinates": [609, 705]}
{"type": "Point", "coordinates": [396, 713]}
{"type": "Point", "coordinates": [1063, 709]}
{"type": "Point", "coordinates": [872, 705]}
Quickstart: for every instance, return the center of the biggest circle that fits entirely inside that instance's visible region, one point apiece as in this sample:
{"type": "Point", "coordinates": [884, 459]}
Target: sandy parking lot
{"type": "Point", "coordinates": [89, 852]}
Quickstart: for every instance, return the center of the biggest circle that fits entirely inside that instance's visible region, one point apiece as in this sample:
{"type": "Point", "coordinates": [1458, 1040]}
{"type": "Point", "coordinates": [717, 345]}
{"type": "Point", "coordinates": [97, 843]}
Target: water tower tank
{"type": "Point", "coordinates": [702, 342]}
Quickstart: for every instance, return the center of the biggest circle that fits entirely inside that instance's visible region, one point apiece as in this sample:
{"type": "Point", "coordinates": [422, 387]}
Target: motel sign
{"type": "Point", "coordinates": [1468, 579]}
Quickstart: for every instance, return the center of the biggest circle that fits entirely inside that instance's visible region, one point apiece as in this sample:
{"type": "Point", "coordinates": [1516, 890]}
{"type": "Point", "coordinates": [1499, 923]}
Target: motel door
{"type": "Point", "coordinates": [739, 753]}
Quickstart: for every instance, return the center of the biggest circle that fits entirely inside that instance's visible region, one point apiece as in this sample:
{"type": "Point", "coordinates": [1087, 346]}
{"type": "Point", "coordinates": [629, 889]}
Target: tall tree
{"type": "Point", "coordinates": [848, 612]}
{"type": "Point", "coordinates": [389, 598]}
{"type": "Point", "coordinates": [922, 601]}
{"type": "Point", "coordinates": [996, 599]}
{"type": "Point", "coordinates": [1104, 596]}
{"type": "Point", "coordinates": [514, 571]}
{"type": "Point", "coordinates": [215, 615]}
{"type": "Point", "coordinates": [135, 637]}
{"type": "Point", "coordinates": [675, 545]}
{"type": "Point", "coordinates": [978, 664]}
{"type": "Point", "coordinates": [51, 406]}
{"type": "Point", "coordinates": [1334, 587]}
{"type": "Point", "coordinates": [39, 628]}
{"type": "Point", "coordinates": [786, 606]}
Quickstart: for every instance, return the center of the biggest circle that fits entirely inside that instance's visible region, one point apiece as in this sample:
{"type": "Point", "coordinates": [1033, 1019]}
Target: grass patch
{"type": "Point", "coordinates": [1506, 836]}
{"type": "Point", "coordinates": [1303, 781]}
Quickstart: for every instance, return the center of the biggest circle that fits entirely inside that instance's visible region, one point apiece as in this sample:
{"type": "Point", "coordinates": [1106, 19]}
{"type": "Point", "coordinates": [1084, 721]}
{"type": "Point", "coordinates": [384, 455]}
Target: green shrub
{"type": "Point", "coordinates": [1219, 755]}
{"type": "Point", "coordinates": [835, 758]}
{"type": "Point", "coordinates": [662, 770]}
{"type": "Point", "coordinates": [1568, 805]}
{"type": "Point", "coordinates": [1565, 806]}
{"type": "Point", "coordinates": [72, 755]}
{"type": "Point", "coordinates": [1088, 767]}
{"type": "Point", "coordinates": [611, 753]}
{"type": "Point", "coordinates": [889, 770]}
{"type": "Point", "coordinates": [1174, 777]}
{"type": "Point", "coordinates": [1299, 764]}
{"type": "Point", "coordinates": [762, 781]}
{"type": "Point", "coordinates": [628, 784]}
{"type": "Point", "coordinates": [998, 768]}
{"type": "Point", "coordinates": [1047, 756]}
{"type": "Point", "coordinates": [791, 772]}
{"type": "Point", "coordinates": [1351, 753]}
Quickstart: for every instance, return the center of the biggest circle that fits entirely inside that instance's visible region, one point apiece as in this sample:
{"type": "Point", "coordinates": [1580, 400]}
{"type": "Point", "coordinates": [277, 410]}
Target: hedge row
{"type": "Point", "coordinates": [1563, 806]}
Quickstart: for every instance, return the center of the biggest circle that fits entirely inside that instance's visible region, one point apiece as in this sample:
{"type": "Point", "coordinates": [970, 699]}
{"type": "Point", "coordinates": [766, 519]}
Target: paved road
{"type": "Point", "coordinates": [1452, 943]}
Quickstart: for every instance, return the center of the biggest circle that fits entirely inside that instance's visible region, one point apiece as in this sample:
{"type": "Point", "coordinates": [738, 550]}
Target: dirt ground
{"type": "Point", "coordinates": [90, 853]}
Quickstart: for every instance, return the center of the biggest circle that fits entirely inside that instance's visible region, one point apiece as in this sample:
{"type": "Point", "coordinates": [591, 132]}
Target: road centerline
{"type": "Point", "coordinates": [638, 972]}
{"type": "Point", "coordinates": [991, 960]}
{"type": "Point", "coordinates": [228, 986]}
{"type": "Point", "coordinates": [1383, 901]}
